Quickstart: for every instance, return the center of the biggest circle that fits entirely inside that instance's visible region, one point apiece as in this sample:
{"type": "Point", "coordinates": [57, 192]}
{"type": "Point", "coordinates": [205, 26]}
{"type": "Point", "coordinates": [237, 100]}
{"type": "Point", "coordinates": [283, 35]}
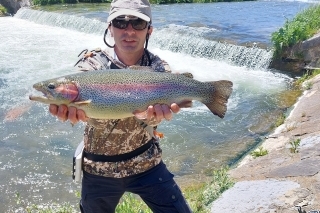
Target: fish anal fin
{"type": "Point", "coordinates": [158, 134]}
{"type": "Point", "coordinates": [185, 104]}
{"type": "Point", "coordinates": [220, 96]}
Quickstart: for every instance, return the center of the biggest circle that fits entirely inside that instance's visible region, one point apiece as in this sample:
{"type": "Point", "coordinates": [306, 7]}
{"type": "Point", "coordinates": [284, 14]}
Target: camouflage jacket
{"type": "Point", "coordinates": [114, 137]}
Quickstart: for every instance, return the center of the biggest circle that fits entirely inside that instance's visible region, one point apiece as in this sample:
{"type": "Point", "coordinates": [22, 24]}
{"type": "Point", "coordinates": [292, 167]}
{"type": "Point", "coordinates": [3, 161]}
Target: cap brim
{"type": "Point", "coordinates": [124, 12]}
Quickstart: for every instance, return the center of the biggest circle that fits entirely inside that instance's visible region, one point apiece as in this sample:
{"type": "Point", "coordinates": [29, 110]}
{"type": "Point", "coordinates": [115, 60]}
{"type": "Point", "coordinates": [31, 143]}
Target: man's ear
{"type": "Point", "coordinates": [110, 30]}
{"type": "Point", "coordinates": [150, 30]}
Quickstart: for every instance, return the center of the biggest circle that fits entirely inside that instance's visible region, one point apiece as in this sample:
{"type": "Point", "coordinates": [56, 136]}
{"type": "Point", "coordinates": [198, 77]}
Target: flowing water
{"type": "Point", "coordinates": [213, 41]}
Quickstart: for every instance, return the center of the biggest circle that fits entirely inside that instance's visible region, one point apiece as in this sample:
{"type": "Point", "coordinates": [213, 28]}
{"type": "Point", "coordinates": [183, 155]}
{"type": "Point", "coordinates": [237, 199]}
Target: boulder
{"type": "Point", "coordinates": [13, 6]}
{"type": "Point", "coordinates": [302, 56]}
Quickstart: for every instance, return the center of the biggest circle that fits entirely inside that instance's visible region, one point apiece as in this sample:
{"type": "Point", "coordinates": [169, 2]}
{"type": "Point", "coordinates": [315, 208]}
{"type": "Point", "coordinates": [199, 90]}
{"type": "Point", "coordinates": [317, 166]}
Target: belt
{"type": "Point", "coordinates": [118, 158]}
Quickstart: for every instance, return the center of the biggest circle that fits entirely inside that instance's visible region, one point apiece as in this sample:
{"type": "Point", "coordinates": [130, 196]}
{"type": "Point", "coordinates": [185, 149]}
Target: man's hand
{"type": "Point", "coordinates": [163, 111]}
{"type": "Point", "coordinates": [64, 113]}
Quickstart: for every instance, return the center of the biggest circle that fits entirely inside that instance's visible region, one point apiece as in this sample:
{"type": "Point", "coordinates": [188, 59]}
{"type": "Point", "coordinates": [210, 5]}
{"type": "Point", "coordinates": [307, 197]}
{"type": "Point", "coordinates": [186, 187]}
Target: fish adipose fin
{"type": "Point", "coordinates": [219, 99]}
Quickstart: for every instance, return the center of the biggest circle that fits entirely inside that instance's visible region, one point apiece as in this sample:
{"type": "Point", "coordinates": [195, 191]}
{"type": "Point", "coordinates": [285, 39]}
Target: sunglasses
{"type": "Point", "coordinates": [137, 24]}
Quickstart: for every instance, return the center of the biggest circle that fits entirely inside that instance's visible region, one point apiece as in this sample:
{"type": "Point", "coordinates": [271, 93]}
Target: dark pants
{"type": "Point", "coordinates": [156, 187]}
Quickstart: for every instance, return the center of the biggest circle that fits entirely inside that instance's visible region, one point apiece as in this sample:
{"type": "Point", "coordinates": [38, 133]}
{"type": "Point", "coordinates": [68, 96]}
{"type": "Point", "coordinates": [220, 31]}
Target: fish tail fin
{"type": "Point", "coordinates": [218, 101]}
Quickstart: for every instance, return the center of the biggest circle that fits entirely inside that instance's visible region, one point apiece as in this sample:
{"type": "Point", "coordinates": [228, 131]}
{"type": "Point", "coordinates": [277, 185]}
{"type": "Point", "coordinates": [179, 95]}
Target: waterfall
{"type": "Point", "coordinates": [195, 44]}
{"type": "Point", "coordinates": [174, 38]}
{"type": "Point", "coordinates": [71, 22]}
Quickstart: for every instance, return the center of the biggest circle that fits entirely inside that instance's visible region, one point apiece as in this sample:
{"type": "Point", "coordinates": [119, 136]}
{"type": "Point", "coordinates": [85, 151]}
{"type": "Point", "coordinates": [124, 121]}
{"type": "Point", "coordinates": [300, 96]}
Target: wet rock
{"type": "Point", "coordinates": [13, 6]}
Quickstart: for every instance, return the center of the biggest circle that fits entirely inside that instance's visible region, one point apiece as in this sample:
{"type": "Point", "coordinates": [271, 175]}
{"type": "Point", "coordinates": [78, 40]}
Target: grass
{"type": "Point", "coordinates": [260, 151]}
{"type": "Point", "coordinates": [303, 26]}
{"type": "Point", "coordinates": [130, 203]}
{"type": "Point", "coordinates": [290, 127]}
{"type": "Point", "coordinates": [280, 120]}
{"type": "Point", "coordinates": [3, 10]}
{"type": "Point", "coordinates": [302, 81]}
{"type": "Point", "coordinates": [294, 145]}
{"type": "Point", "coordinates": [199, 197]}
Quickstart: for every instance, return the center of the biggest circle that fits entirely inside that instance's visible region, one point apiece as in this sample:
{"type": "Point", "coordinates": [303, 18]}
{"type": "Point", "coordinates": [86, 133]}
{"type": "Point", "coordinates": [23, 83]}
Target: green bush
{"type": "Point", "coordinates": [3, 10]}
{"type": "Point", "coordinates": [300, 28]}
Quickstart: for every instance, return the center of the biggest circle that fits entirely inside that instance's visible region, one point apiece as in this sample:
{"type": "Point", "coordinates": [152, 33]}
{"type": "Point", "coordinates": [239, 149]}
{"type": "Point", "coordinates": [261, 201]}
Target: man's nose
{"type": "Point", "coordinates": [129, 27]}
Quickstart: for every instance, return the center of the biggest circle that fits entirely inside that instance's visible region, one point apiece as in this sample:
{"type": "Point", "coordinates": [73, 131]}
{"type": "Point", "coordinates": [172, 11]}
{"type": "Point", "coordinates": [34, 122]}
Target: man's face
{"type": "Point", "coordinates": [129, 40]}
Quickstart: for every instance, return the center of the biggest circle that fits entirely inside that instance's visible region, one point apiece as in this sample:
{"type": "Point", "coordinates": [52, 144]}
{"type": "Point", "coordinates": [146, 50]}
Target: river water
{"type": "Point", "coordinates": [213, 41]}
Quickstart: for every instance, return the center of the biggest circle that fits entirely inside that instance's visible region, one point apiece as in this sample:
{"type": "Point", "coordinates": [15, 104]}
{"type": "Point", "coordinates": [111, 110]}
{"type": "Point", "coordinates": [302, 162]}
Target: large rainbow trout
{"type": "Point", "coordinates": [116, 94]}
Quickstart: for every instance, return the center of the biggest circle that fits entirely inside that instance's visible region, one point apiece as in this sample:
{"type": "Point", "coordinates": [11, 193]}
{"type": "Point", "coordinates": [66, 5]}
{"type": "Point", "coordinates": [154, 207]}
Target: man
{"type": "Point", "coordinates": [123, 155]}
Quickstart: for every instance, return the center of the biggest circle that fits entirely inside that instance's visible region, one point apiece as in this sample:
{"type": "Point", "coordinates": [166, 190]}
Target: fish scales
{"type": "Point", "coordinates": [114, 94]}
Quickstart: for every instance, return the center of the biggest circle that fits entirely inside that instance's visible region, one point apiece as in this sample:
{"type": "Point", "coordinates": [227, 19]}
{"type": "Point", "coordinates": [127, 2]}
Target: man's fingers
{"type": "Point", "coordinates": [167, 114]}
{"type": "Point", "coordinates": [81, 115]}
{"type": "Point", "coordinates": [62, 112]}
{"type": "Point", "coordinates": [150, 113]}
{"type": "Point", "coordinates": [72, 115]}
{"type": "Point", "coordinates": [53, 109]}
{"type": "Point", "coordinates": [158, 112]}
{"type": "Point", "coordinates": [175, 108]}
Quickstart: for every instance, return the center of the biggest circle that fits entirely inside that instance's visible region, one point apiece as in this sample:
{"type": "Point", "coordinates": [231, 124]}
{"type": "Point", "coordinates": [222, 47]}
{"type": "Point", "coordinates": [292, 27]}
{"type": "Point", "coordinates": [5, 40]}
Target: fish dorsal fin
{"type": "Point", "coordinates": [141, 68]}
{"type": "Point", "coordinates": [187, 74]}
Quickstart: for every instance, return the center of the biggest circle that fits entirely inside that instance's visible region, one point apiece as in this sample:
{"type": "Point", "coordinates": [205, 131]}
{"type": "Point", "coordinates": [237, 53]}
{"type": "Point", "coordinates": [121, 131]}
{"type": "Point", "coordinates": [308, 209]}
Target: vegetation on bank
{"type": "Point", "coordinates": [303, 26]}
{"type": "Point", "coordinates": [3, 10]}
{"type": "Point", "coordinates": [199, 197]}
{"type": "Point", "coordinates": [260, 151]}
{"type": "Point", "coordinates": [308, 75]}
{"type": "Point", "coordinates": [46, 2]}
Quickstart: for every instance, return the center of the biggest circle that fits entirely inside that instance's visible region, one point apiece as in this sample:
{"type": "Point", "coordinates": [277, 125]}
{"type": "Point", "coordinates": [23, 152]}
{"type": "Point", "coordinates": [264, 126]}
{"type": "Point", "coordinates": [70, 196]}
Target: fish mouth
{"type": "Point", "coordinates": [41, 96]}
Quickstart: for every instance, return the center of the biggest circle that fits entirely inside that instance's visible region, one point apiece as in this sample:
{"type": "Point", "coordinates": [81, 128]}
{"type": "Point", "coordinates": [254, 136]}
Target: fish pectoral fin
{"type": "Point", "coordinates": [142, 115]}
{"type": "Point", "coordinates": [82, 102]}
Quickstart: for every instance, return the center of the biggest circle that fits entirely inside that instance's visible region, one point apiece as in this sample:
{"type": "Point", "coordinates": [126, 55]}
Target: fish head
{"type": "Point", "coordinates": [56, 91]}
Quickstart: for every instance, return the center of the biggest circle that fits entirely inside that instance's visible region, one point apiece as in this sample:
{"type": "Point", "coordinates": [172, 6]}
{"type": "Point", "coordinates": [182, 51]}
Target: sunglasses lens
{"type": "Point", "coordinates": [121, 24]}
{"type": "Point", "coordinates": [137, 24]}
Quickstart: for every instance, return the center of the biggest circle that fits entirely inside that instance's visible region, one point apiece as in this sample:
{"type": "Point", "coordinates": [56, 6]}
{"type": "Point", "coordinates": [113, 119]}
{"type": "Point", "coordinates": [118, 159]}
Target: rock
{"type": "Point", "coordinates": [303, 55]}
{"type": "Point", "coordinates": [261, 181]}
{"type": "Point", "coordinates": [13, 6]}
{"type": "Point", "coordinates": [308, 167]}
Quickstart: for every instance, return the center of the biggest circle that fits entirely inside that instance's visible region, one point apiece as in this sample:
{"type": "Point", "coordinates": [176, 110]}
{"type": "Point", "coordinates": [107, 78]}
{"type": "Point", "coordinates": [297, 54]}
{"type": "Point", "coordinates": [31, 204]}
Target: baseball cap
{"type": "Point", "coordinates": [138, 8]}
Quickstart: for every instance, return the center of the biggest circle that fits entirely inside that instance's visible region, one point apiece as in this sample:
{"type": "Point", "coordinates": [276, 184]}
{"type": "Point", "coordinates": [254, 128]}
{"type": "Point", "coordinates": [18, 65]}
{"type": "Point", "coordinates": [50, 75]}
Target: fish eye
{"type": "Point", "coordinates": [51, 86]}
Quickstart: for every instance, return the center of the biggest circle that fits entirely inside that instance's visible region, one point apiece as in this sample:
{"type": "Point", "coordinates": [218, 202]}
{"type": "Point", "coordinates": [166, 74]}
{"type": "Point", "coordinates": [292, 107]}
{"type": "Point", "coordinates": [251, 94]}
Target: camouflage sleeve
{"type": "Point", "coordinates": [158, 64]}
{"type": "Point", "coordinates": [92, 60]}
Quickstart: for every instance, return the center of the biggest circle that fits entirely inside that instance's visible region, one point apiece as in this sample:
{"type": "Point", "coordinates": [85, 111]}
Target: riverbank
{"type": "Point", "coordinates": [288, 177]}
